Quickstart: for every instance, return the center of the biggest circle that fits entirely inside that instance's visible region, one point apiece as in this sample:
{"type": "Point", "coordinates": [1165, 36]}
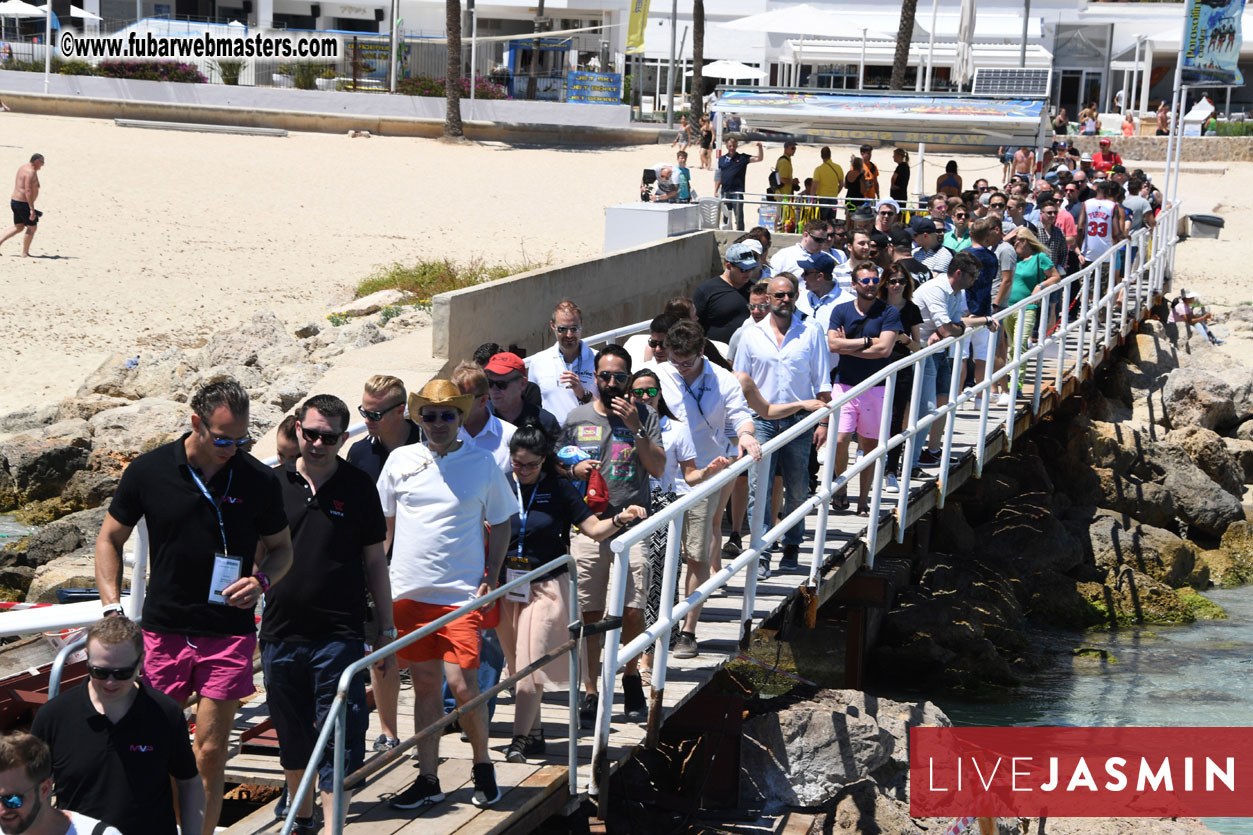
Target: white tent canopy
{"type": "Point", "coordinates": [806, 20]}
{"type": "Point", "coordinates": [731, 70]}
{"type": "Point", "coordinates": [19, 8]}
{"type": "Point", "coordinates": [78, 12]}
{"type": "Point", "coordinates": [882, 52]}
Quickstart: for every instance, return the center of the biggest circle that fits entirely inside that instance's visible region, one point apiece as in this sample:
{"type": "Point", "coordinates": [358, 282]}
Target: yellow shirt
{"type": "Point", "coordinates": [784, 167]}
{"type": "Point", "coordinates": [828, 179]}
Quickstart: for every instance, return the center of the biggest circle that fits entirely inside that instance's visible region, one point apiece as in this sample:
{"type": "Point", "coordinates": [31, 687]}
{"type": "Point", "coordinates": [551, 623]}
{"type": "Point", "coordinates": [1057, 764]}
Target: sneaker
{"type": "Point", "coordinates": [734, 545]}
{"type": "Point", "coordinates": [890, 484]}
{"type": "Point", "coordinates": [929, 458]}
{"type": "Point", "coordinates": [516, 753]}
{"type": "Point", "coordinates": [304, 826]}
{"type": "Point", "coordinates": [424, 792]}
{"type": "Point", "coordinates": [385, 743]}
{"type": "Point", "coordinates": [685, 646]}
{"type": "Point", "coordinates": [790, 561]}
{"type": "Point", "coordinates": [635, 706]}
{"type": "Point", "coordinates": [280, 808]}
{"type": "Point", "coordinates": [1003, 399]}
{"type": "Point", "coordinates": [486, 792]}
{"type": "Point", "coordinates": [763, 569]}
{"type": "Point", "coordinates": [587, 711]}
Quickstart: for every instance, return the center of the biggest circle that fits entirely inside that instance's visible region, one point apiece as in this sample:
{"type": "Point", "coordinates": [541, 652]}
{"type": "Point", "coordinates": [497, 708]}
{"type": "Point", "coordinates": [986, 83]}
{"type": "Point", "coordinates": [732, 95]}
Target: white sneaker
{"type": "Point", "coordinates": [977, 403]}
{"type": "Point", "coordinates": [1003, 399]}
{"type": "Point", "coordinates": [890, 484]}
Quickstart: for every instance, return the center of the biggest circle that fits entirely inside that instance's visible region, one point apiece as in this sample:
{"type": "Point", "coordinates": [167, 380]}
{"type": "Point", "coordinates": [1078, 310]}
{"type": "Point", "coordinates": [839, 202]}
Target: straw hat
{"type": "Point", "coordinates": [440, 393]}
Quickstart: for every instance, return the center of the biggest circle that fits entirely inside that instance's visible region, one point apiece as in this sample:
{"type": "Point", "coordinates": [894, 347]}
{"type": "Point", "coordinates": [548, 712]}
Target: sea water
{"type": "Point", "coordinates": [1200, 675]}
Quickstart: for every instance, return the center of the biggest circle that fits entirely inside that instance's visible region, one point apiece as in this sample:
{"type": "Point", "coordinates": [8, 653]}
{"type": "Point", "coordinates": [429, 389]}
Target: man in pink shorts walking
{"type": "Point", "coordinates": [207, 505]}
{"type": "Point", "coordinates": [862, 332]}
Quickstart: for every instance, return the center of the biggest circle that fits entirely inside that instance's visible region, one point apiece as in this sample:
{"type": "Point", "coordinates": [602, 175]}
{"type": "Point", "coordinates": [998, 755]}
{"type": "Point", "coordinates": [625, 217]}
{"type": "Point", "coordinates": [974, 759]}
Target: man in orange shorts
{"type": "Point", "coordinates": [437, 497]}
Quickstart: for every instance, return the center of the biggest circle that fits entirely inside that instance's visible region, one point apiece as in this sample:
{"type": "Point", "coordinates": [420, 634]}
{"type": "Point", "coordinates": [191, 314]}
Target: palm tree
{"type": "Point", "coordinates": [452, 84]}
{"type": "Point", "coordinates": [698, 59]}
{"type": "Point", "coordinates": [904, 35]}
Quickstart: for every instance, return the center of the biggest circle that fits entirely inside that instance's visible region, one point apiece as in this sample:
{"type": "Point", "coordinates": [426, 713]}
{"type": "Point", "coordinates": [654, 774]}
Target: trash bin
{"type": "Point", "coordinates": [1206, 226]}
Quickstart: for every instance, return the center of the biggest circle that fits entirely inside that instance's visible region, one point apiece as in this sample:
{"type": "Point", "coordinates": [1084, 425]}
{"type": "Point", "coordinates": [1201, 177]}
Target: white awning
{"type": "Point", "coordinates": [883, 52]}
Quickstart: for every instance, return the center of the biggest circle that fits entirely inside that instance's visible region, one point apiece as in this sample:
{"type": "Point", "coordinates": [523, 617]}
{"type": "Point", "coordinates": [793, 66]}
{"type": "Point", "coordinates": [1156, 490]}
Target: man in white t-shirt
{"type": "Point", "coordinates": [437, 498]}
{"type": "Point", "coordinates": [26, 789]}
{"type": "Point", "coordinates": [564, 372]}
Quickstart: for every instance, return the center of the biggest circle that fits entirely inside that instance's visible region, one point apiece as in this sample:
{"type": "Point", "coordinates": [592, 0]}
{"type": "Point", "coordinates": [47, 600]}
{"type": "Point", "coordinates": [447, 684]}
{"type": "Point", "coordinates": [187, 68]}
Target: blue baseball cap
{"type": "Point", "coordinates": [741, 255]}
{"type": "Point", "coordinates": [822, 262]}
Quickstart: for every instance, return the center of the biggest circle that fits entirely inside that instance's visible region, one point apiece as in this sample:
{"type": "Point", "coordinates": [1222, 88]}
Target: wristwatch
{"type": "Point", "coordinates": [389, 634]}
{"type": "Point", "coordinates": [641, 433]}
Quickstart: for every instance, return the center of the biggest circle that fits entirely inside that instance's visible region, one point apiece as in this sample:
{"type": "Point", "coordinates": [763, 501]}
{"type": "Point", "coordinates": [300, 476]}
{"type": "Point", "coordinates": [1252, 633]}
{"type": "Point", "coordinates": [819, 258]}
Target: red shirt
{"type": "Point", "coordinates": [1105, 160]}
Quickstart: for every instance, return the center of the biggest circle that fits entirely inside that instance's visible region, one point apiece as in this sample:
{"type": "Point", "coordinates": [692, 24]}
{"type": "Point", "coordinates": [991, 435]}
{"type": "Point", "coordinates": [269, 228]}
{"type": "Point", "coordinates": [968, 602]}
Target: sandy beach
{"type": "Point", "coordinates": [156, 239]}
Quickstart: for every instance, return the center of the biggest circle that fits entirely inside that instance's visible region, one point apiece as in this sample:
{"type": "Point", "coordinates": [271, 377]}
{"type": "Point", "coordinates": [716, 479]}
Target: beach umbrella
{"type": "Point", "coordinates": [18, 8]}
{"type": "Point", "coordinates": [78, 12]}
{"type": "Point", "coordinates": [732, 70]}
{"type": "Point", "coordinates": [964, 69]}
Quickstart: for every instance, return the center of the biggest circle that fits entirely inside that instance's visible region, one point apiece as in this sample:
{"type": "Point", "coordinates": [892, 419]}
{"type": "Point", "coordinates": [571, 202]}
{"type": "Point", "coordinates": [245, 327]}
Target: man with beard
{"type": "Point", "coordinates": [623, 440]}
{"type": "Point", "coordinates": [26, 789]}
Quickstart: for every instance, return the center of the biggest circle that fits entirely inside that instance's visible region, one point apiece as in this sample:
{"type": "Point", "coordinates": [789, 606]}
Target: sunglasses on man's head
{"type": "Point", "coordinates": [613, 376]}
{"type": "Point", "coordinates": [237, 442]}
{"type": "Point", "coordinates": [327, 438]}
{"type": "Point", "coordinates": [116, 673]}
{"type": "Point", "coordinates": [446, 417]}
{"type": "Point", "coordinates": [651, 391]}
{"type": "Point", "coordinates": [371, 414]}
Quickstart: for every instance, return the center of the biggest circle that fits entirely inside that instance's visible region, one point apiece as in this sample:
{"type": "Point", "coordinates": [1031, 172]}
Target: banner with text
{"type": "Point", "coordinates": [1211, 48]}
{"type": "Point", "coordinates": [635, 26]}
{"type": "Point", "coordinates": [594, 87]}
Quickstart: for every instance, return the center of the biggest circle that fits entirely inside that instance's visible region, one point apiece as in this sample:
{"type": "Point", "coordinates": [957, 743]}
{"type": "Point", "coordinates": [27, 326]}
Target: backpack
{"type": "Point", "coordinates": [774, 182]}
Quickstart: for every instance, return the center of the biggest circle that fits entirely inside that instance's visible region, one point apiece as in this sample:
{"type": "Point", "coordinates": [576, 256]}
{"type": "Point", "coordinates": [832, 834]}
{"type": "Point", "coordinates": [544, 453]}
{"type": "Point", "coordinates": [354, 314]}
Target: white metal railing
{"type": "Point", "coordinates": [1111, 301]}
{"type": "Point", "coordinates": [337, 716]}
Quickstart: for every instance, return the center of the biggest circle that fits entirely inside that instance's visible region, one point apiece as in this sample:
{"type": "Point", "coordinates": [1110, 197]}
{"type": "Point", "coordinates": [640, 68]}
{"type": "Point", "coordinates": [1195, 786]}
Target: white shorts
{"type": "Point", "coordinates": [978, 345]}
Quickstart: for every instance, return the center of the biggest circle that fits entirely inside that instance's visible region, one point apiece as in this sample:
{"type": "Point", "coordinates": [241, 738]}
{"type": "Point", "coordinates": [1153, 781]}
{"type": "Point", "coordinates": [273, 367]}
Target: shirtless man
{"type": "Point", "coordinates": [1024, 161]}
{"type": "Point", "coordinates": [25, 190]}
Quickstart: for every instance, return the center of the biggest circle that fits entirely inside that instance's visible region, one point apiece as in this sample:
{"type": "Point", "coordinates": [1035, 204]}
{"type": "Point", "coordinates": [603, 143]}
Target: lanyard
{"type": "Point", "coordinates": [704, 387]}
{"type": "Point", "coordinates": [577, 365]}
{"type": "Point", "coordinates": [216, 505]}
{"type": "Point", "coordinates": [523, 512]}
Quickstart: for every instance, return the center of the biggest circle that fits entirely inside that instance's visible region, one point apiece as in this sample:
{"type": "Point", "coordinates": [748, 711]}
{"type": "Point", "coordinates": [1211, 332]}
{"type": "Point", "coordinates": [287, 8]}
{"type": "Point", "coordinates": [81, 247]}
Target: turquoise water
{"type": "Point", "coordinates": [1189, 675]}
{"type": "Point", "coordinates": [11, 529]}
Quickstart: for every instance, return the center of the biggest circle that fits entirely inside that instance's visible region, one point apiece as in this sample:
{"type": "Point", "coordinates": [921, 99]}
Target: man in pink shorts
{"type": "Point", "coordinates": [862, 332]}
{"type": "Point", "coordinates": [207, 506]}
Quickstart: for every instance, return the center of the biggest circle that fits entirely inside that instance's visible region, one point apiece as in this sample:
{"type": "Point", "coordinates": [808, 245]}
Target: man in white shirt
{"type": "Point", "coordinates": [437, 497]}
{"type": "Point", "coordinates": [788, 358]}
{"type": "Point", "coordinates": [482, 428]}
{"type": "Point", "coordinates": [26, 774]}
{"type": "Point", "coordinates": [708, 399]}
{"type": "Point", "coordinates": [929, 251]}
{"type": "Point", "coordinates": [564, 372]}
{"type": "Point", "coordinates": [812, 240]}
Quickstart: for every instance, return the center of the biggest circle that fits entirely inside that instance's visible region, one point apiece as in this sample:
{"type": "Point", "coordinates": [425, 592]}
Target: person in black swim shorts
{"type": "Point", "coordinates": [22, 202]}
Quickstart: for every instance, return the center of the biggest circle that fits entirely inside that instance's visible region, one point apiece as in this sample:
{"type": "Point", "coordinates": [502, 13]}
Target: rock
{"type": "Point", "coordinates": [806, 752]}
{"type": "Point", "coordinates": [1231, 563]}
{"type": "Point", "coordinates": [244, 344]}
{"type": "Point", "coordinates": [89, 488]}
{"type": "Point", "coordinates": [1151, 350]}
{"type": "Point", "coordinates": [40, 462]}
{"type": "Point", "coordinates": [16, 580]}
{"type": "Point", "coordinates": [1242, 453]}
{"type": "Point", "coordinates": [262, 417]}
{"type": "Point", "coordinates": [1195, 397]}
{"type": "Point", "coordinates": [77, 570]}
{"type": "Point", "coordinates": [1245, 430]}
{"type": "Point", "coordinates": [1113, 446]}
{"type": "Point", "coordinates": [250, 378]}
{"type": "Point", "coordinates": [167, 374]}
{"type": "Point", "coordinates": [87, 407]}
{"type": "Point", "coordinates": [1206, 449]}
{"type": "Point", "coordinates": [52, 542]}
{"type": "Point", "coordinates": [373, 303]}
{"type": "Point", "coordinates": [276, 360]}
{"type": "Point", "coordinates": [87, 522]}
{"type": "Point", "coordinates": [410, 320]}
{"type": "Point", "coordinates": [287, 391]}
{"type": "Point", "coordinates": [1133, 597]}
{"type": "Point", "coordinates": [1119, 541]}
{"type": "Point", "coordinates": [1127, 382]}
{"type": "Point", "coordinates": [1144, 500]}
{"type": "Point", "coordinates": [130, 430]}
{"type": "Point", "coordinates": [9, 497]}
{"type": "Point", "coordinates": [952, 533]}
{"type": "Point", "coordinates": [24, 420]}
{"type": "Point", "coordinates": [308, 329]}
{"type": "Point", "coordinates": [332, 342]}
{"type": "Point", "coordinates": [1199, 500]}
{"type": "Point", "coordinates": [1026, 531]}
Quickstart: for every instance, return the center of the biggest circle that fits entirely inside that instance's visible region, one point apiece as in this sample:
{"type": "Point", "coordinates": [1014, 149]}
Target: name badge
{"type": "Point", "coordinates": [522, 594]}
{"type": "Point", "coordinates": [225, 572]}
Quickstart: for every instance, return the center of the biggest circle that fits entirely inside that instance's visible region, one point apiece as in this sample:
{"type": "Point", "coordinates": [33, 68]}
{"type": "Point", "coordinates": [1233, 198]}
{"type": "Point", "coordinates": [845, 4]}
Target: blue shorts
{"type": "Point", "coordinates": [300, 682]}
{"type": "Point", "coordinates": [943, 374]}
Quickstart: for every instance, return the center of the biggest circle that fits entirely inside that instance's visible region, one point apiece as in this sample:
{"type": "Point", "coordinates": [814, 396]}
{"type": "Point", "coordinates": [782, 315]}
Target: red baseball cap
{"type": "Point", "coordinates": [1104, 140]}
{"type": "Point", "coordinates": [505, 363]}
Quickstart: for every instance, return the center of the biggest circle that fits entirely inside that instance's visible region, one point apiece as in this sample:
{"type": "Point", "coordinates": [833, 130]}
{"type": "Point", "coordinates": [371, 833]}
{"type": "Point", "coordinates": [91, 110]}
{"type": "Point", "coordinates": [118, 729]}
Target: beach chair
{"type": "Point", "coordinates": [710, 212]}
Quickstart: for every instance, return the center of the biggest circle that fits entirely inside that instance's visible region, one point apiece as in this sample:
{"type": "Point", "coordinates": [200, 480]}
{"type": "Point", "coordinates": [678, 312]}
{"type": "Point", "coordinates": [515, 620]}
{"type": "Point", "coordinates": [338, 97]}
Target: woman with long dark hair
{"type": "Point", "coordinates": [897, 289]}
{"type": "Point", "coordinates": [534, 620]}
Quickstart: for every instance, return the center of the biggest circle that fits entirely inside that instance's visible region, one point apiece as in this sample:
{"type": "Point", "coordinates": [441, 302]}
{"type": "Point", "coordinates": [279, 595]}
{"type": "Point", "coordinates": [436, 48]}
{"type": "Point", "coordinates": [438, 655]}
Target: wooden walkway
{"type": "Point", "coordinates": [538, 789]}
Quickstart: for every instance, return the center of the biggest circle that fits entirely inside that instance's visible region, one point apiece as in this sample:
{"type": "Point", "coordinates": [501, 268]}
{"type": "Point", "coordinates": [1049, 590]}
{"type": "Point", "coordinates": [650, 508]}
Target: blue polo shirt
{"type": "Point", "coordinates": [733, 167]}
{"type": "Point", "coordinates": [881, 317]}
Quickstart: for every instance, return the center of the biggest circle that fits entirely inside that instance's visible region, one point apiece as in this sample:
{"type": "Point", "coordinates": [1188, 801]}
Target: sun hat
{"type": "Point", "coordinates": [440, 393]}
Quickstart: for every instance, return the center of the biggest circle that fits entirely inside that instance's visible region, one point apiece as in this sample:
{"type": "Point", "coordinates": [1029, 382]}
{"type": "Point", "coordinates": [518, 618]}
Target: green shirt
{"type": "Point", "coordinates": [955, 243]}
{"type": "Point", "coordinates": [1028, 275]}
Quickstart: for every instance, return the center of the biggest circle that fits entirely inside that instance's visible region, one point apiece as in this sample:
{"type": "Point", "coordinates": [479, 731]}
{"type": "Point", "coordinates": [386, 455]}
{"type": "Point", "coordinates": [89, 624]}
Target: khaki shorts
{"type": "Point", "coordinates": [595, 560]}
{"type": "Point", "coordinates": [698, 528]}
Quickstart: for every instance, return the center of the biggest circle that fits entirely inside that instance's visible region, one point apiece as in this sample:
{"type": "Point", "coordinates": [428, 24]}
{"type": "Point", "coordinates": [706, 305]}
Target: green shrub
{"type": "Point", "coordinates": [426, 279]}
{"type": "Point", "coordinates": [388, 313]}
{"type": "Point", "coordinates": [306, 76]}
{"type": "Point", "coordinates": [338, 319]}
{"type": "Point", "coordinates": [229, 69]}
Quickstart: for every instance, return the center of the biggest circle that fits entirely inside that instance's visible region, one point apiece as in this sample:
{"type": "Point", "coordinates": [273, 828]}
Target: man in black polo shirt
{"type": "Point", "coordinates": [206, 506]}
{"type": "Point", "coordinates": [314, 622]}
{"type": "Point", "coordinates": [722, 302]}
{"type": "Point", "coordinates": [116, 742]}
{"type": "Point", "coordinates": [383, 407]}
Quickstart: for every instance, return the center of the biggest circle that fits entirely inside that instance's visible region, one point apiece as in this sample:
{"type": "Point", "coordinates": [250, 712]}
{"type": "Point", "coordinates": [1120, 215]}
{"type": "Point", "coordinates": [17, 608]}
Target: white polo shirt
{"type": "Point", "coordinates": [677, 441]}
{"type": "Point", "coordinates": [787, 259]}
{"type": "Point", "coordinates": [440, 505]}
{"type": "Point", "coordinates": [546, 369]}
{"type": "Point", "coordinates": [710, 407]}
{"type": "Point", "coordinates": [796, 370]}
{"type": "Point", "coordinates": [493, 438]}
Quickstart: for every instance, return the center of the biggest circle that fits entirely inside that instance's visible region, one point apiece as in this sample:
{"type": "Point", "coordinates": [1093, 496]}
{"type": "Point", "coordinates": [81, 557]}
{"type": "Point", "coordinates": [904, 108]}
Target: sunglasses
{"type": "Point", "coordinates": [760, 308]}
{"type": "Point", "coordinates": [960, 216]}
{"type": "Point", "coordinates": [13, 801]}
{"type": "Point", "coordinates": [886, 213]}
{"type": "Point", "coordinates": [613, 376]}
{"type": "Point", "coordinates": [501, 385]}
{"type": "Point", "coordinates": [370, 414]}
{"type": "Point", "coordinates": [563, 329]}
{"type": "Point", "coordinates": [525, 465]}
{"type": "Point", "coordinates": [984, 188]}
{"type": "Point", "coordinates": [656, 343]}
{"type": "Point", "coordinates": [684, 365]}
{"type": "Point", "coordinates": [868, 281]}
{"type": "Point", "coordinates": [816, 239]}
{"type": "Point", "coordinates": [236, 442]}
{"type": "Point", "coordinates": [651, 391]}
{"type": "Point", "coordinates": [783, 295]}
{"type": "Point", "coordinates": [102, 673]}
{"type": "Point", "coordinates": [446, 417]}
{"type": "Point", "coordinates": [327, 438]}
{"type": "Point", "coordinates": [996, 205]}
{"type": "Point", "coordinates": [896, 281]}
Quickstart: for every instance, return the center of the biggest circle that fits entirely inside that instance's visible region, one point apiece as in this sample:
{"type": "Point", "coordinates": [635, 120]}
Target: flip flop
{"type": "Point", "coordinates": [863, 511]}
{"type": "Point", "coordinates": [839, 502]}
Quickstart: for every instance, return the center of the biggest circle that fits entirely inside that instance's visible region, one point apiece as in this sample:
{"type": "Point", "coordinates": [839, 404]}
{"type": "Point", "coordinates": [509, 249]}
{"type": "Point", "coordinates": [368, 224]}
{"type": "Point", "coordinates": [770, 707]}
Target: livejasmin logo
{"type": "Point", "coordinates": [1081, 772]}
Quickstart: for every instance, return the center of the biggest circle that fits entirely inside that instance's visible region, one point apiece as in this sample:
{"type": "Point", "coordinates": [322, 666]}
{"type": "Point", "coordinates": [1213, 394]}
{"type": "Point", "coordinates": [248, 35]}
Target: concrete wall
{"type": "Point", "coordinates": [1153, 148]}
{"type": "Point", "coordinates": [612, 291]}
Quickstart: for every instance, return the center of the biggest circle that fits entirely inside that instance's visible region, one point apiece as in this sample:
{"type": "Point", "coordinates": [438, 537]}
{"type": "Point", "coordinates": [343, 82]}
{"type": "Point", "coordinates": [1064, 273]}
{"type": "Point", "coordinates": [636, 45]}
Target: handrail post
{"type": "Point", "coordinates": [985, 402]}
{"type": "Point", "coordinates": [950, 420]}
{"type": "Point", "coordinates": [661, 648]}
{"type": "Point", "coordinates": [876, 484]}
{"type": "Point", "coordinates": [1063, 331]}
{"type": "Point", "coordinates": [824, 509]}
{"type": "Point", "coordinates": [619, 574]}
{"type": "Point", "coordinates": [572, 742]}
{"type": "Point", "coordinates": [1015, 364]}
{"type": "Point", "coordinates": [907, 457]}
{"type": "Point", "coordinates": [1040, 335]}
{"type": "Point", "coordinates": [1092, 282]}
{"type": "Point", "coordinates": [58, 665]}
{"type": "Point", "coordinates": [1111, 277]}
{"type": "Point", "coordinates": [337, 790]}
{"type": "Point", "coordinates": [762, 471]}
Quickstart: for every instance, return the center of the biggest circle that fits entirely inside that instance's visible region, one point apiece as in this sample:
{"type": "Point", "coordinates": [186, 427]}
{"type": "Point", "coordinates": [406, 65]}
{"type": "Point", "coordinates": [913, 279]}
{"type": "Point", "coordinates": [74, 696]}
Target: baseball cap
{"type": "Point", "coordinates": [1050, 177]}
{"type": "Point", "coordinates": [1104, 140]}
{"type": "Point", "coordinates": [741, 255]}
{"type": "Point", "coordinates": [504, 363]}
{"type": "Point", "coordinates": [985, 199]}
{"type": "Point", "coordinates": [1118, 169]}
{"type": "Point", "coordinates": [754, 245]}
{"type": "Point", "coordinates": [901, 238]}
{"type": "Point", "coordinates": [822, 262]}
{"type": "Point", "coordinates": [1085, 158]}
{"type": "Point", "coordinates": [922, 226]}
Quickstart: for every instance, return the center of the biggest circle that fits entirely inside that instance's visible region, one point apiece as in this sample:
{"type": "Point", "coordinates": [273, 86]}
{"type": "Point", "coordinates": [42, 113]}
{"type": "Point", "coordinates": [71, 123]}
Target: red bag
{"type": "Point", "coordinates": [597, 495]}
